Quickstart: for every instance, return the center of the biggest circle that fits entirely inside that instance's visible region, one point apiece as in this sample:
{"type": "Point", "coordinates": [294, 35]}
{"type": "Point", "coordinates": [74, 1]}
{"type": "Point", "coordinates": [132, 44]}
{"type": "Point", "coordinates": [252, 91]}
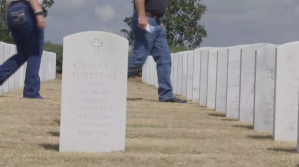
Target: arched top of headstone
{"type": "Point", "coordinates": [95, 33]}
{"type": "Point", "coordinates": [290, 44]}
{"type": "Point", "coordinates": [203, 48]}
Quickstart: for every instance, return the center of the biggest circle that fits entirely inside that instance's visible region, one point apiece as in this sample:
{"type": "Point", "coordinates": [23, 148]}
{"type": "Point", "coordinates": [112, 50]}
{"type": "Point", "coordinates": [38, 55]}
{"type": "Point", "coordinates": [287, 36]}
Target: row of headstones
{"type": "Point", "coordinates": [254, 83]}
{"type": "Point", "coordinates": [47, 68]}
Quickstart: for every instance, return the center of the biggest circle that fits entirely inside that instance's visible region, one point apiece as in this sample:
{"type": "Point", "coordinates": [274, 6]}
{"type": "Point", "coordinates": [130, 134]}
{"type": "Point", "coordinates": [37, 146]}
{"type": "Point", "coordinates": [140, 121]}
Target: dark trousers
{"type": "Point", "coordinates": [29, 41]}
{"type": "Point", "coordinates": [154, 43]}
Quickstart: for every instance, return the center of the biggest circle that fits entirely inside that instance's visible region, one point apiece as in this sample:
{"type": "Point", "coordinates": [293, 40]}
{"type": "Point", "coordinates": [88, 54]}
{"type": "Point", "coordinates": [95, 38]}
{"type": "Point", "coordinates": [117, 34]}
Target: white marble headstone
{"type": "Point", "coordinates": [263, 111]}
{"type": "Point", "coordinates": [11, 80]}
{"type": "Point", "coordinates": [94, 92]}
{"type": "Point", "coordinates": [247, 82]}
{"type": "Point", "coordinates": [1, 61]}
{"type": "Point", "coordinates": [171, 74]}
{"type": "Point", "coordinates": [233, 81]}
{"type": "Point", "coordinates": [221, 79]}
{"type": "Point", "coordinates": [175, 73]}
{"type": "Point", "coordinates": [212, 77]}
{"type": "Point", "coordinates": [203, 78]}
{"type": "Point", "coordinates": [180, 73]}
{"type": "Point", "coordinates": [185, 74]}
{"type": "Point", "coordinates": [286, 92]}
{"type": "Point", "coordinates": [190, 75]}
{"type": "Point", "coordinates": [196, 73]}
{"type": "Point", "coordinates": [6, 56]}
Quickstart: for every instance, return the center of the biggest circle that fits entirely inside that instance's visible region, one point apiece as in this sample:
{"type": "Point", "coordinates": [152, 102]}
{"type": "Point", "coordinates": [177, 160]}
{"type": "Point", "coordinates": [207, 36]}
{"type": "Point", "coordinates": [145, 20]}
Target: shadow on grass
{"type": "Point", "coordinates": [287, 150]}
{"type": "Point", "coordinates": [56, 134]}
{"type": "Point", "coordinates": [229, 119]}
{"type": "Point", "coordinates": [217, 114]}
{"type": "Point", "coordinates": [244, 126]}
{"type": "Point", "coordinates": [260, 137]}
{"type": "Point", "coordinates": [134, 99]}
{"type": "Point", "coordinates": [54, 147]}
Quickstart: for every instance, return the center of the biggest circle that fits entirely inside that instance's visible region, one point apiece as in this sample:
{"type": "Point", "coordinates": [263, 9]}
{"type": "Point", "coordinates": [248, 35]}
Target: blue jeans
{"type": "Point", "coordinates": [29, 41]}
{"type": "Point", "coordinates": [154, 43]}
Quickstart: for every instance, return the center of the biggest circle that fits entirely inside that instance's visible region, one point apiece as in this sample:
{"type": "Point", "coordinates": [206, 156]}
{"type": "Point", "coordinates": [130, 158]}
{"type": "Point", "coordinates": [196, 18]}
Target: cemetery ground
{"type": "Point", "coordinates": [158, 134]}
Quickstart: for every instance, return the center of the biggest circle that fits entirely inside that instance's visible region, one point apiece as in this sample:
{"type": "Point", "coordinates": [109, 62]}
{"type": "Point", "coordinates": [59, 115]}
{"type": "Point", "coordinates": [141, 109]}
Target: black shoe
{"type": "Point", "coordinates": [175, 100]}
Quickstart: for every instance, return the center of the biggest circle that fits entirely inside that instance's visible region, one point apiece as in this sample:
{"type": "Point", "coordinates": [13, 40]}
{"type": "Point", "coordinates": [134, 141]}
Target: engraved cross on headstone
{"type": "Point", "coordinates": [96, 44]}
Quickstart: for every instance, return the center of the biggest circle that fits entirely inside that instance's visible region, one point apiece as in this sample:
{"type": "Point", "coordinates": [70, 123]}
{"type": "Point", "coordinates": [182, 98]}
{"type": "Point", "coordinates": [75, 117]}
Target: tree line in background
{"type": "Point", "coordinates": [181, 22]}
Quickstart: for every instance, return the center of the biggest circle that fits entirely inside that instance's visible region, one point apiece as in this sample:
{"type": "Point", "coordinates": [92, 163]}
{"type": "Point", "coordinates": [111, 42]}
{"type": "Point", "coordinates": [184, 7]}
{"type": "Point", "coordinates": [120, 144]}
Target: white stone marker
{"type": "Point", "coordinates": [221, 79]}
{"type": "Point", "coordinates": [286, 92]}
{"type": "Point", "coordinates": [233, 81]}
{"type": "Point", "coordinates": [263, 109]}
{"type": "Point", "coordinates": [212, 77]}
{"type": "Point", "coordinates": [171, 74]}
{"type": "Point", "coordinates": [190, 75]}
{"type": "Point", "coordinates": [203, 86]}
{"type": "Point", "coordinates": [175, 73]}
{"type": "Point", "coordinates": [1, 62]}
{"type": "Point", "coordinates": [185, 74]}
{"type": "Point", "coordinates": [6, 56]}
{"type": "Point", "coordinates": [196, 73]}
{"type": "Point", "coordinates": [17, 73]}
{"type": "Point", "coordinates": [180, 73]}
{"type": "Point", "coordinates": [246, 93]}
{"type": "Point", "coordinates": [94, 92]}
{"type": "Point", "coordinates": [11, 80]}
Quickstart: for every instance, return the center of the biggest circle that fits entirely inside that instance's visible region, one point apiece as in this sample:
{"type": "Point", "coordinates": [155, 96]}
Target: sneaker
{"type": "Point", "coordinates": [175, 100]}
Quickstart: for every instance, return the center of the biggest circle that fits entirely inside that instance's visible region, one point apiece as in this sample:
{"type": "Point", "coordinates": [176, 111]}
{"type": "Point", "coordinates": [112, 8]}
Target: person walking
{"type": "Point", "coordinates": [150, 38]}
{"type": "Point", "coordinates": [25, 20]}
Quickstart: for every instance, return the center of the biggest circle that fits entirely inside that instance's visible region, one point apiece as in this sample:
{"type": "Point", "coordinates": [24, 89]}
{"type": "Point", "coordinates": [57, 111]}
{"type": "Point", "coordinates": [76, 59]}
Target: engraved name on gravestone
{"type": "Point", "coordinates": [212, 76]}
{"type": "Point", "coordinates": [263, 112]}
{"type": "Point", "coordinates": [203, 78]}
{"type": "Point", "coordinates": [185, 73]}
{"type": "Point", "coordinates": [286, 92]}
{"type": "Point", "coordinates": [175, 73]}
{"type": "Point", "coordinates": [196, 73]}
{"type": "Point", "coordinates": [190, 75]}
{"type": "Point", "coordinates": [221, 79]}
{"type": "Point", "coordinates": [233, 81]}
{"type": "Point", "coordinates": [247, 82]}
{"type": "Point", "coordinates": [94, 92]}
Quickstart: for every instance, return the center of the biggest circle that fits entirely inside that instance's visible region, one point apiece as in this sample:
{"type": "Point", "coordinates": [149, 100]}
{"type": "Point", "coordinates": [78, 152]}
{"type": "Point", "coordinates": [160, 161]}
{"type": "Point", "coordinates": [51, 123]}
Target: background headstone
{"type": "Point", "coordinates": [185, 74]}
{"type": "Point", "coordinates": [175, 73]}
{"type": "Point", "coordinates": [11, 80]}
{"type": "Point", "coordinates": [221, 79]}
{"type": "Point", "coordinates": [171, 75]}
{"type": "Point", "coordinates": [233, 81]}
{"type": "Point", "coordinates": [286, 92]}
{"type": "Point", "coordinates": [180, 73]}
{"type": "Point", "coordinates": [196, 73]}
{"type": "Point", "coordinates": [1, 61]}
{"type": "Point", "coordinates": [94, 92]}
{"type": "Point", "coordinates": [212, 77]}
{"type": "Point", "coordinates": [246, 93]}
{"type": "Point", "coordinates": [203, 78]}
{"type": "Point", "coordinates": [6, 56]}
{"type": "Point", "coordinates": [263, 115]}
{"type": "Point", "coordinates": [190, 75]}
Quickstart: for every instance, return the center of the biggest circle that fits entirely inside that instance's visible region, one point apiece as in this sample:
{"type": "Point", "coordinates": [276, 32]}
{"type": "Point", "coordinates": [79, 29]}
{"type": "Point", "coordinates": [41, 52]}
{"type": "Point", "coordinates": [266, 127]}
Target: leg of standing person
{"type": "Point", "coordinates": [35, 48]}
{"type": "Point", "coordinates": [10, 66]}
{"type": "Point", "coordinates": [145, 42]}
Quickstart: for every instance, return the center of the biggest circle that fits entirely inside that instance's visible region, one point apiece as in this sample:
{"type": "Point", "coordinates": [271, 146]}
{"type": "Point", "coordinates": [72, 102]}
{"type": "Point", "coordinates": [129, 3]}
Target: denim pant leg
{"type": "Point", "coordinates": [143, 44]}
{"type": "Point", "coordinates": [162, 56]}
{"type": "Point", "coordinates": [32, 79]}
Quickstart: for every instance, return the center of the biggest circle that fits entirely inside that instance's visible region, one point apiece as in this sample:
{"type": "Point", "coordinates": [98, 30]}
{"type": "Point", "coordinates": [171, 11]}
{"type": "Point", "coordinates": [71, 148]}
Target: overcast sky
{"type": "Point", "coordinates": [228, 22]}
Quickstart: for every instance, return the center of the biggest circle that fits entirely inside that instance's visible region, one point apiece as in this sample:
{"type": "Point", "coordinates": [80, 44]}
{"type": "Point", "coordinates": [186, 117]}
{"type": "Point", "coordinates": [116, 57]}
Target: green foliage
{"type": "Point", "coordinates": [58, 49]}
{"type": "Point", "coordinates": [181, 22]}
{"type": "Point", "coordinates": [5, 35]}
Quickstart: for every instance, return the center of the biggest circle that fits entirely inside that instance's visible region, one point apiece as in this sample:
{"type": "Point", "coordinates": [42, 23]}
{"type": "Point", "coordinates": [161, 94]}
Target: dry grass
{"type": "Point", "coordinates": [158, 134]}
